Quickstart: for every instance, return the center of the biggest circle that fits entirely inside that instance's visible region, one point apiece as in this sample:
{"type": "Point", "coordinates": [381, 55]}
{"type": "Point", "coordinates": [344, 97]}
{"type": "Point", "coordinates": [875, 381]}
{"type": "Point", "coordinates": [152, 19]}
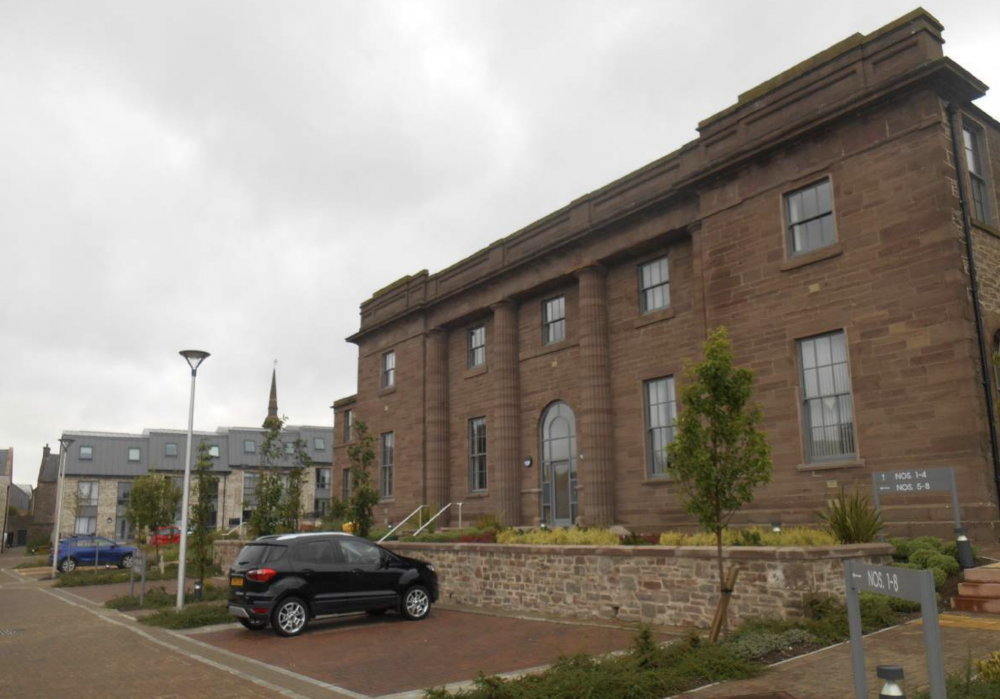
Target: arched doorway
{"type": "Point", "coordinates": [558, 442]}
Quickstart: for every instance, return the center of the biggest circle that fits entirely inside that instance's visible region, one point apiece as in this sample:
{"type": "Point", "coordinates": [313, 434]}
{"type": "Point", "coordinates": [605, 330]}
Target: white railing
{"type": "Point", "coordinates": [427, 524]}
{"type": "Point", "coordinates": [408, 518]}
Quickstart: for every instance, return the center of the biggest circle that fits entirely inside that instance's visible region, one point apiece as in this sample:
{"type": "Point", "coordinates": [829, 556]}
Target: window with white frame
{"type": "Point", "coordinates": [386, 462]}
{"type": "Point", "coordinates": [654, 285]}
{"type": "Point", "coordinates": [661, 417]}
{"type": "Point", "coordinates": [477, 346]}
{"type": "Point", "coordinates": [389, 369]}
{"type": "Point", "coordinates": [809, 214]}
{"type": "Point", "coordinates": [87, 497]}
{"type": "Point", "coordinates": [477, 454]}
{"type": "Point", "coordinates": [554, 320]}
{"type": "Point", "coordinates": [827, 410]}
{"type": "Point", "coordinates": [348, 425]}
{"type": "Point", "coordinates": [973, 139]}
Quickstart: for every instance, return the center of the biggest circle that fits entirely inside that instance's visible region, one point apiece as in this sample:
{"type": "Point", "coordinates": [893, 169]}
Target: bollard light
{"type": "Point", "coordinates": [197, 590]}
{"type": "Point", "coordinates": [892, 674]}
{"type": "Point", "coordinates": [965, 557]}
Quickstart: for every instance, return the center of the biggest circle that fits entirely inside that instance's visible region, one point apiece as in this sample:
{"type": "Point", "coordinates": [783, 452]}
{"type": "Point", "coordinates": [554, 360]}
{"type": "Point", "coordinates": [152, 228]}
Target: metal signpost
{"type": "Point", "coordinates": [917, 480]}
{"type": "Point", "coordinates": [901, 583]}
{"type": "Point", "coordinates": [925, 480]}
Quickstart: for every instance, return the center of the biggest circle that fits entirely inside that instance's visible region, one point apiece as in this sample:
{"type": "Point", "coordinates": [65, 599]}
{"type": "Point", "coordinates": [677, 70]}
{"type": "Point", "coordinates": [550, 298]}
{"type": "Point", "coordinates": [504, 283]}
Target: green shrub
{"type": "Point", "coordinates": [468, 535]}
{"type": "Point", "coordinates": [159, 598]}
{"type": "Point", "coordinates": [559, 537]}
{"type": "Point", "coordinates": [904, 547]}
{"type": "Point", "coordinates": [852, 520]}
{"type": "Point", "coordinates": [204, 614]}
{"type": "Point", "coordinates": [952, 550]}
{"type": "Point", "coordinates": [83, 577]}
{"type": "Point", "coordinates": [489, 521]}
{"type": "Point", "coordinates": [758, 644]}
{"type": "Point", "coordinates": [753, 536]}
{"type": "Point", "coordinates": [989, 667]}
{"type": "Point", "coordinates": [927, 542]}
{"type": "Point", "coordinates": [966, 685]}
{"type": "Point", "coordinates": [922, 557]}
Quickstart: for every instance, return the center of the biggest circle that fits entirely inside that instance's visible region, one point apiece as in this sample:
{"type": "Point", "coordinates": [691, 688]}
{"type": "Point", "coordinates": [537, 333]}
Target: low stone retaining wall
{"type": "Point", "coordinates": [671, 585]}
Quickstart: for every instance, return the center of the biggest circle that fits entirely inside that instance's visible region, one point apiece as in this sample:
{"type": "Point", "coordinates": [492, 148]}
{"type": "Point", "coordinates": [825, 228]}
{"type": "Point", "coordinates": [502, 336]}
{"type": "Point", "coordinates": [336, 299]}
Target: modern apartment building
{"type": "Point", "coordinates": [102, 467]}
{"type": "Point", "coordinates": [826, 219]}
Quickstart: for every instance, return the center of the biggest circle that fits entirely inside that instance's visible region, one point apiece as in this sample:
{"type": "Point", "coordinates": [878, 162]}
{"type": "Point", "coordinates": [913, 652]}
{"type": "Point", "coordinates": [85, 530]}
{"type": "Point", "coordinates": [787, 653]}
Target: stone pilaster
{"type": "Point", "coordinates": [596, 437]}
{"type": "Point", "coordinates": [504, 367]}
{"type": "Point", "coordinates": [436, 492]}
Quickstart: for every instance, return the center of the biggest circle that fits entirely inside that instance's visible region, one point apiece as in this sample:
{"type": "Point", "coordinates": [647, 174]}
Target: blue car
{"type": "Point", "coordinates": [92, 550]}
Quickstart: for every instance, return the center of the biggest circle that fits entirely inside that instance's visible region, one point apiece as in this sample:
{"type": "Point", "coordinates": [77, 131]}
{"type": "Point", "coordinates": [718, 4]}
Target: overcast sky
{"type": "Point", "coordinates": [238, 176]}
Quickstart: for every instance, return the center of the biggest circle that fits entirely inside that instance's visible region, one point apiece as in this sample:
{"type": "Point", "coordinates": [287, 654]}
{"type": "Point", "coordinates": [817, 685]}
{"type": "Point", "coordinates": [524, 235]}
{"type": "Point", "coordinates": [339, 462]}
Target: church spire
{"type": "Point", "coordinates": [272, 403]}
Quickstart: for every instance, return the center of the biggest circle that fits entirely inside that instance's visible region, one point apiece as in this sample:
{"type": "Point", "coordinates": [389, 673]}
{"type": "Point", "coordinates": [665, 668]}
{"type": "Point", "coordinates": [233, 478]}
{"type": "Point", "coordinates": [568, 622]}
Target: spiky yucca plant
{"type": "Point", "coordinates": [853, 520]}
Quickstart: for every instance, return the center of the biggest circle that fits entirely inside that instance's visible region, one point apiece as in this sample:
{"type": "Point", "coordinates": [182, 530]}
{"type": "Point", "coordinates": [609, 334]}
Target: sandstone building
{"type": "Point", "coordinates": [825, 219]}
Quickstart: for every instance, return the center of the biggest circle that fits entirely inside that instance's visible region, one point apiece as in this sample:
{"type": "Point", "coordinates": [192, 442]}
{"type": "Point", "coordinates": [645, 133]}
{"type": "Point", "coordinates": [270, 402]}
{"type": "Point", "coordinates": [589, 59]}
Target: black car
{"type": "Point", "coordinates": [287, 580]}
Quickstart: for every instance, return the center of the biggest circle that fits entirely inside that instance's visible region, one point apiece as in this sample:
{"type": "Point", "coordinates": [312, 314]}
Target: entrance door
{"type": "Point", "coordinates": [558, 437]}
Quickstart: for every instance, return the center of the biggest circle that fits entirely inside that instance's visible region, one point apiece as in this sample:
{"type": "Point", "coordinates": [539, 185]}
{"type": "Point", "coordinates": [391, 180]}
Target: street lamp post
{"type": "Point", "coordinates": [194, 359]}
{"type": "Point", "coordinates": [64, 443]}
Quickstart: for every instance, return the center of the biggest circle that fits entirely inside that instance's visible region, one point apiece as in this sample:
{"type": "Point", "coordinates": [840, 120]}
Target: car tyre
{"type": "Point", "coordinates": [290, 616]}
{"type": "Point", "coordinates": [126, 561]}
{"type": "Point", "coordinates": [253, 624]}
{"type": "Point", "coordinates": [67, 565]}
{"type": "Point", "coordinates": [416, 604]}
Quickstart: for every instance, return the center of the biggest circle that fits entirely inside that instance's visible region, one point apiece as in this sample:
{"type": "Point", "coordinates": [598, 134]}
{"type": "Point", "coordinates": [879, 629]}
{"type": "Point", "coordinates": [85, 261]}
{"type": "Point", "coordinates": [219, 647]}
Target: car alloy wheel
{"type": "Point", "coordinates": [417, 603]}
{"type": "Point", "coordinates": [290, 617]}
{"type": "Point", "coordinates": [126, 561]}
{"type": "Point", "coordinates": [68, 565]}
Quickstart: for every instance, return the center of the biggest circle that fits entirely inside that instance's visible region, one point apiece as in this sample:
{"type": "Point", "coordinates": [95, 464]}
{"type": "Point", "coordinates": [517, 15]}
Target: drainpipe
{"type": "Point", "coordinates": [981, 335]}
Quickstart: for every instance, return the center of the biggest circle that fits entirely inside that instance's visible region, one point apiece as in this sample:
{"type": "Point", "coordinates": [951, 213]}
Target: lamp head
{"type": "Point", "coordinates": [194, 358]}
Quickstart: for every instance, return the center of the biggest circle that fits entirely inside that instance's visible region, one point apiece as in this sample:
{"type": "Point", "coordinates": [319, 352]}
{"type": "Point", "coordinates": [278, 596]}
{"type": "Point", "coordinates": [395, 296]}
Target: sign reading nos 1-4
{"type": "Point", "coordinates": [917, 480]}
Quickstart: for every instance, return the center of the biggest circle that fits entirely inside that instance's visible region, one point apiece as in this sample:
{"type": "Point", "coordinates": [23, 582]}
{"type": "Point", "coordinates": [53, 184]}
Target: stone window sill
{"type": "Point", "coordinates": [387, 391]}
{"type": "Point", "coordinates": [832, 465]}
{"type": "Point", "coordinates": [809, 258]}
{"type": "Point", "coordinates": [386, 501]}
{"type": "Point", "coordinates": [548, 349]}
{"type": "Point", "coordinates": [664, 480]}
{"type": "Point", "coordinates": [478, 495]}
{"type": "Point", "coordinates": [654, 317]}
{"type": "Point", "coordinates": [986, 228]}
{"type": "Point", "coordinates": [477, 371]}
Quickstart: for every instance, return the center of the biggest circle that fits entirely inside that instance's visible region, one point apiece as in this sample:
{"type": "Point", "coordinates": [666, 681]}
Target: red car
{"type": "Point", "coordinates": [166, 535]}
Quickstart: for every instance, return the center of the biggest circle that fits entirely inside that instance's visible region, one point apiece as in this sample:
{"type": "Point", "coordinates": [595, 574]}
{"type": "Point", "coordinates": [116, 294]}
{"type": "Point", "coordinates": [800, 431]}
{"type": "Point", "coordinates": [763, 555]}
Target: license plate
{"type": "Point", "coordinates": [236, 582]}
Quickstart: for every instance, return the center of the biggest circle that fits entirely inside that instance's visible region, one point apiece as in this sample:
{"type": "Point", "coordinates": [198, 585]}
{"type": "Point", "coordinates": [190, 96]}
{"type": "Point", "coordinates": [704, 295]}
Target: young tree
{"type": "Point", "coordinates": [719, 455]}
{"type": "Point", "coordinates": [290, 508]}
{"type": "Point", "coordinates": [207, 486]}
{"type": "Point", "coordinates": [363, 494]}
{"type": "Point", "coordinates": [152, 504]}
{"type": "Point", "coordinates": [279, 507]}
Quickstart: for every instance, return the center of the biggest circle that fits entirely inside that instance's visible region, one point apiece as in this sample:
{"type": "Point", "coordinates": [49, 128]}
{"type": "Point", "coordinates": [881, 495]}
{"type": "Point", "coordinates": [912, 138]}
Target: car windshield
{"type": "Point", "coordinates": [260, 553]}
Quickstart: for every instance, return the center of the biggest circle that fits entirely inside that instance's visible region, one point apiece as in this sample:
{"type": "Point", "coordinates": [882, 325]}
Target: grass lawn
{"type": "Point", "coordinates": [88, 576]}
{"type": "Point", "coordinates": [159, 598]}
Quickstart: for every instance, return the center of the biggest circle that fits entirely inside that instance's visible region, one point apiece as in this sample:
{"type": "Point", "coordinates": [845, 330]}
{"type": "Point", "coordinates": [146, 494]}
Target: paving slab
{"type": "Point", "coordinates": [449, 646]}
{"type": "Point", "coordinates": [827, 673]}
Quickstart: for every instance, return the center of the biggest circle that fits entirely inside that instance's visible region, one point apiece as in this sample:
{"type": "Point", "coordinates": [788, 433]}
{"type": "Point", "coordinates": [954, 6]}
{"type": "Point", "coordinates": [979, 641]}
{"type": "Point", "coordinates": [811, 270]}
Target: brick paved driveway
{"type": "Point", "coordinates": [388, 655]}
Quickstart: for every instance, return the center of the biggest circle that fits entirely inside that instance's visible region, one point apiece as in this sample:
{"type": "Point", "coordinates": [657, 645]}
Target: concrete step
{"type": "Point", "coordinates": [978, 589]}
{"type": "Point", "coordinates": [983, 605]}
{"type": "Point", "coordinates": [983, 574]}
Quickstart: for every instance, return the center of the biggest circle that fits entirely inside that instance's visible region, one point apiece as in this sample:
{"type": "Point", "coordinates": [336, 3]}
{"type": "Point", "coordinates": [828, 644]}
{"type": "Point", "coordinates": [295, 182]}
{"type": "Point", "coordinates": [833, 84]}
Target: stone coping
{"type": "Point", "coordinates": [762, 553]}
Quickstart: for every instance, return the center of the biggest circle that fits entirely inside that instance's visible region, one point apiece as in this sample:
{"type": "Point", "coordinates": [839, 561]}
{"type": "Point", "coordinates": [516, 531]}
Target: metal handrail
{"type": "Point", "coordinates": [432, 519]}
{"type": "Point", "coordinates": [393, 530]}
